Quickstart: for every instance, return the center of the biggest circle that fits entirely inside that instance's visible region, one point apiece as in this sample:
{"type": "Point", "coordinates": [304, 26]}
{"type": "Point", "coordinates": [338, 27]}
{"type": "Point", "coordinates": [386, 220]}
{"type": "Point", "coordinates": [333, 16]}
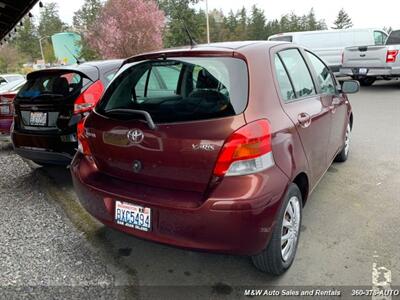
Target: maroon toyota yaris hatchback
{"type": "Point", "coordinates": [215, 148]}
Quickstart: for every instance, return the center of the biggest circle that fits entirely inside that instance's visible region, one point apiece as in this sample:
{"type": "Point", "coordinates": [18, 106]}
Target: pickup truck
{"type": "Point", "coordinates": [370, 63]}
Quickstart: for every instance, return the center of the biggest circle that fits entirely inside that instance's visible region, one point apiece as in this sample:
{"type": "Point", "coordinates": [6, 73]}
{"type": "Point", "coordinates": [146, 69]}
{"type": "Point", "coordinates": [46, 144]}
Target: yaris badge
{"type": "Point", "coordinates": [136, 136]}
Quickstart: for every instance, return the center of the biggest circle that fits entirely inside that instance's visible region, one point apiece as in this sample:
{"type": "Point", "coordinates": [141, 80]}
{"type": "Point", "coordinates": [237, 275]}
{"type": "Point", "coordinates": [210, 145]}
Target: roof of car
{"type": "Point", "coordinates": [237, 46]}
{"type": "Point", "coordinates": [103, 63]}
{"type": "Point", "coordinates": [90, 69]}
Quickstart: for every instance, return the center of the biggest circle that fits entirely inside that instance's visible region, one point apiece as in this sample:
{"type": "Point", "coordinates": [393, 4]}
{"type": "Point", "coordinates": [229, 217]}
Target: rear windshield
{"type": "Point", "coordinates": [180, 89]}
{"type": "Point", "coordinates": [282, 38]}
{"type": "Point", "coordinates": [394, 38]}
{"type": "Point", "coordinates": [53, 84]}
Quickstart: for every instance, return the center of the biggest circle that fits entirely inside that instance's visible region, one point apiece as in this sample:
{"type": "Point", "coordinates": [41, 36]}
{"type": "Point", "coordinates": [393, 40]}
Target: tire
{"type": "Point", "coordinates": [367, 81]}
{"type": "Point", "coordinates": [272, 259]}
{"type": "Point", "coordinates": [344, 153]}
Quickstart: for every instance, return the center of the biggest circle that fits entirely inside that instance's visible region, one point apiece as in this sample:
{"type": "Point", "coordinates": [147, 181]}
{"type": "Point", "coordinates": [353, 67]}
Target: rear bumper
{"type": "Point", "coordinates": [372, 72]}
{"type": "Point", "coordinates": [42, 156]}
{"type": "Point", "coordinates": [224, 222]}
{"type": "Point", "coordinates": [5, 124]}
{"type": "Point", "coordinates": [43, 148]}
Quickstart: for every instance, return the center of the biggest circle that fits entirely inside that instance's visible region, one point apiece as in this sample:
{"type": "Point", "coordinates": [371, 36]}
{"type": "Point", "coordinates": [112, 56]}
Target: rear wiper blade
{"type": "Point", "coordinates": [147, 116]}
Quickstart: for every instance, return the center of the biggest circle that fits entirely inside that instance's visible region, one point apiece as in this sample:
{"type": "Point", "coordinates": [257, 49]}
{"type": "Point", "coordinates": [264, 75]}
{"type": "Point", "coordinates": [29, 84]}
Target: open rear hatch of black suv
{"type": "Point", "coordinates": [46, 102]}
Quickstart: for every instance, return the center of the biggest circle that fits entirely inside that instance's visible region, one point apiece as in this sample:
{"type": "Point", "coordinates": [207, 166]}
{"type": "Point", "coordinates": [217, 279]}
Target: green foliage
{"type": "Point", "coordinates": [10, 60]}
{"type": "Point", "coordinates": [180, 13]}
{"type": "Point", "coordinates": [241, 25]}
{"type": "Point", "coordinates": [83, 19]}
{"type": "Point", "coordinates": [49, 24]}
{"type": "Point", "coordinates": [257, 25]}
{"type": "Point", "coordinates": [342, 21]}
{"type": "Point", "coordinates": [87, 14]}
{"type": "Point", "coordinates": [27, 40]}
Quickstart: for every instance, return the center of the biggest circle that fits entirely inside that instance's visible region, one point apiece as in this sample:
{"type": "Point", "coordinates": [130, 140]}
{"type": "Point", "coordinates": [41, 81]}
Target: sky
{"type": "Point", "coordinates": [362, 13]}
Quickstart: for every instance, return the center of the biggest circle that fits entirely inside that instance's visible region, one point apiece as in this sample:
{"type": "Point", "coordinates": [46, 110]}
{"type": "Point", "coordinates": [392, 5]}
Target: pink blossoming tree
{"type": "Point", "coordinates": [126, 28]}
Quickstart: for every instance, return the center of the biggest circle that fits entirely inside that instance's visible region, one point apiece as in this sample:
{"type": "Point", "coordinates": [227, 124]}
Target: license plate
{"type": "Point", "coordinates": [38, 119]}
{"type": "Point", "coordinates": [4, 109]}
{"type": "Point", "coordinates": [133, 216]}
{"type": "Point", "coordinates": [363, 71]}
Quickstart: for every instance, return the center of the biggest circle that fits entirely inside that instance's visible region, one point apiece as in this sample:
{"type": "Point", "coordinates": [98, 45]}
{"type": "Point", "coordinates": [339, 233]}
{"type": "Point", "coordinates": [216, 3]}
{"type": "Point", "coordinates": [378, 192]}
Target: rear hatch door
{"type": "Point", "coordinates": [46, 101]}
{"type": "Point", "coordinates": [195, 103]}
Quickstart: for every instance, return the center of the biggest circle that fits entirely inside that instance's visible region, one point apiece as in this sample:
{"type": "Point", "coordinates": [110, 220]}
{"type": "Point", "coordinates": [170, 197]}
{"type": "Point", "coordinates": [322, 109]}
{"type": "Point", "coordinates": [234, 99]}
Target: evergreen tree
{"type": "Point", "coordinates": [87, 15]}
{"type": "Point", "coordinates": [342, 21]}
{"type": "Point", "coordinates": [218, 30]}
{"type": "Point", "coordinates": [49, 24]}
{"type": "Point", "coordinates": [230, 25]}
{"type": "Point", "coordinates": [180, 13]}
{"type": "Point", "coordinates": [27, 41]}
{"type": "Point", "coordinates": [241, 27]}
{"type": "Point", "coordinates": [256, 27]}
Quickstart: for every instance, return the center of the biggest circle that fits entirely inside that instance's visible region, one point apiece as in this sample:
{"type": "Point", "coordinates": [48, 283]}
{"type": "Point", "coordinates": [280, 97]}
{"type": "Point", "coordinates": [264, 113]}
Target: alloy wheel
{"type": "Point", "coordinates": [290, 228]}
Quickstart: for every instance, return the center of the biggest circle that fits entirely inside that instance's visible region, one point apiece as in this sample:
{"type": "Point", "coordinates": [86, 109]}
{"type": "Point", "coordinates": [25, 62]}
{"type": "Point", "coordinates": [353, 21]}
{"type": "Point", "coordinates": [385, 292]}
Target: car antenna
{"type": "Point", "coordinates": [191, 39]}
{"type": "Point", "coordinates": [78, 61]}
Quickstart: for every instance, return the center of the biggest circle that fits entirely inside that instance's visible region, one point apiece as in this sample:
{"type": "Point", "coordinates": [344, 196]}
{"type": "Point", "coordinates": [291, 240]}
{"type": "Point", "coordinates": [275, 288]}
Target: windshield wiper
{"type": "Point", "coordinates": [146, 115]}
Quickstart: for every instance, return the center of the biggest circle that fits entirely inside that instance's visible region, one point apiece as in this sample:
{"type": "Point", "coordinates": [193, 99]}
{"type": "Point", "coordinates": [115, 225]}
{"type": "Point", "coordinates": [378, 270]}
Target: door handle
{"type": "Point", "coordinates": [304, 120]}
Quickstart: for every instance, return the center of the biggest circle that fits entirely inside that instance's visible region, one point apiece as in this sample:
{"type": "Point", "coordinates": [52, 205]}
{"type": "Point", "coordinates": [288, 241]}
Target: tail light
{"type": "Point", "coordinates": [391, 56]}
{"type": "Point", "coordinates": [88, 99]}
{"type": "Point", "coordinates": [6, 105]}
{"type": "Point", "coordinates": [83, 143]}
{"type": "Point", "coordinates": [248, 150]}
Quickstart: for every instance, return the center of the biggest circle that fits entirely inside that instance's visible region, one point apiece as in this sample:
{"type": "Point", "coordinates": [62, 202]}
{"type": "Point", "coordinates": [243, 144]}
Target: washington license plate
{"type": "Point", "coordinates": [133, 216]}
{"type": "Point", "coordinates": [38, 119]}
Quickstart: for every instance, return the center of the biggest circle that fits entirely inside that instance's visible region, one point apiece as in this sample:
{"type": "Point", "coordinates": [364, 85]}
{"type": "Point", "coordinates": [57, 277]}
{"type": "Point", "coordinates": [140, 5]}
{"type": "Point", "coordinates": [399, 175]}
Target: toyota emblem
{"type": "Point", "coordinates": [136, 136]}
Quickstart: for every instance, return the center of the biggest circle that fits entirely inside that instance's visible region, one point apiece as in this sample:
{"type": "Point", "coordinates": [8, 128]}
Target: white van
{"type": "Point", "coordinates": [330, 44]}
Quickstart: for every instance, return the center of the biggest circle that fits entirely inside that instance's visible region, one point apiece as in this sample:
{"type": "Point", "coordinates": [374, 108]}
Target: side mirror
{"type": "Point", "coordinates": [350, 87]}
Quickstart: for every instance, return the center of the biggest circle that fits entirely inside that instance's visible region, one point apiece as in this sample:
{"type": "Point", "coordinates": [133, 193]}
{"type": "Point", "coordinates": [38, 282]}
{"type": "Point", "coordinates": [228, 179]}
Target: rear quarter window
{"type": "Point", "coordinates": [180, 89]}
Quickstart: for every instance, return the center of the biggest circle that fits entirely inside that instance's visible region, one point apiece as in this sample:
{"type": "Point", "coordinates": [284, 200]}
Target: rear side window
{"type": "Point", "coordinates": [180, 89]}
{"type": "Point", "coordinates": [285, 85]}
{"type": "Point", "coordinates": [394, 38]}
{"type": "Point", "coordinates": [324, 76]}
{"type": "Point", "coordinates": [53, 84]}
{"type": "Point", "coordinates": [298, 72]}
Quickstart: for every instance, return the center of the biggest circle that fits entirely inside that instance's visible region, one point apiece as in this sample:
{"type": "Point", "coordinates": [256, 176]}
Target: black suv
{"type": "Point", "coordinates": [50, 105]}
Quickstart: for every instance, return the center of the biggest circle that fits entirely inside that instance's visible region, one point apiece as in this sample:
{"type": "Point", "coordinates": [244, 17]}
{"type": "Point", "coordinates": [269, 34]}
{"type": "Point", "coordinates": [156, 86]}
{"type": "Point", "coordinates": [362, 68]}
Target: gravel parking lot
{"type": "Point", "coordinates": [350, 232]}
